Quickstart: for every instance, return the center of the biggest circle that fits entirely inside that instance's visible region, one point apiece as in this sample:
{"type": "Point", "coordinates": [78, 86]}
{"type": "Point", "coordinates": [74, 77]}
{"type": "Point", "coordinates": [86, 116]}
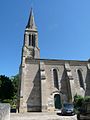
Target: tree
{"type": "Point", "coordinates": [79, 100]}
{"type": "Point", "coordinates": [6, 88]}
{"type": "Point", "coordinates": [15, 81]}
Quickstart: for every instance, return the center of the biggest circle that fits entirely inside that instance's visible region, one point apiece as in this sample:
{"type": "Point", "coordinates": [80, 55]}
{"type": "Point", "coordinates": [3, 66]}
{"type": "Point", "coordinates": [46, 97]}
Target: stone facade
{"type": "Point", "coordinates": [45, 83]}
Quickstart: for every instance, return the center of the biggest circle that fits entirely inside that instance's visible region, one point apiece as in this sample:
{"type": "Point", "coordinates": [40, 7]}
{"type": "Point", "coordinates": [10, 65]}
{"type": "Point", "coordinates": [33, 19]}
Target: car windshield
{"type": "Point", "coordinates": [68, 105]}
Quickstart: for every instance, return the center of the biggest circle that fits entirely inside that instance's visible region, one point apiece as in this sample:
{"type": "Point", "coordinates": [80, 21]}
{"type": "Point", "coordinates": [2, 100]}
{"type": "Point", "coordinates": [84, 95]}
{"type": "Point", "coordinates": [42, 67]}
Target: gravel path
{"type": "Point", "coordinates": [40, 116]}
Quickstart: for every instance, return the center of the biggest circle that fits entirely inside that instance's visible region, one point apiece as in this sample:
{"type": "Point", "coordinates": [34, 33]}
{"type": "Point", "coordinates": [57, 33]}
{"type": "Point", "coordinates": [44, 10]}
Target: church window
{"type": "Point", "coordinates": [29, 40]}
{"type": "Point", "coordinates": [80, 79]}
{"type": "Point", "coordinates": [33, 40]}
{"type": "Point", "coordinates": [55, 76]}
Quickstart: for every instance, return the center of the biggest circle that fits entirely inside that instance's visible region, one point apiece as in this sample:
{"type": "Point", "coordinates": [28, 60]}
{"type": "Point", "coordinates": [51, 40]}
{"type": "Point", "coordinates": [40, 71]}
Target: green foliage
{"type": "Point", "coordinates": [7, 101]}
{"type": "Point", "coordinates": [12, 102]}
{"type": "Point", "coordinates": [78, 100]}
{"type": "Point", "coordinates": [15, 82]}
{"type": "Point", "coordinates": [6, 88]}
{"type": "Point", "coordinates": [86, 99]}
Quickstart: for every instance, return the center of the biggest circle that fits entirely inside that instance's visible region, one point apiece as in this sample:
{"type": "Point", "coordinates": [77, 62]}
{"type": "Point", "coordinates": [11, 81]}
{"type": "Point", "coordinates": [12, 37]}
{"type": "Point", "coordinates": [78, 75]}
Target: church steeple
{"type": "Point", "coordinates": [31, 21]}
{"type": "Point", "coordinates": [30, 46]}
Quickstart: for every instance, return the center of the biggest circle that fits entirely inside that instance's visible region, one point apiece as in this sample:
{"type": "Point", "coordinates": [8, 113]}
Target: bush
{"type": "Point", "coordinates": [78, 101]}
{"type": "Point", "coordinates": [86, 99]}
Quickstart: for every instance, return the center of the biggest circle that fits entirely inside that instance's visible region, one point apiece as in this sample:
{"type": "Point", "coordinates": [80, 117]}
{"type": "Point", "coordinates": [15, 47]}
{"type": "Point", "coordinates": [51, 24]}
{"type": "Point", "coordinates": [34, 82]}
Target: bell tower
{"type": "Point", "coordinates": [30, 46]}
{"type": "Point", "coordinates": [29, 72]}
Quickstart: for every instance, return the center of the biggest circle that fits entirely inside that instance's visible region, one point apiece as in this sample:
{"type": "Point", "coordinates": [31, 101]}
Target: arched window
{"type": "Point", "coordinates": [33, 40]}
{"type": "Point", "coordinates": [29, 40]}
{"type": "Point", "coordinates": [80, 79]}
{"type": "Point", "coordinates": [55, 76]}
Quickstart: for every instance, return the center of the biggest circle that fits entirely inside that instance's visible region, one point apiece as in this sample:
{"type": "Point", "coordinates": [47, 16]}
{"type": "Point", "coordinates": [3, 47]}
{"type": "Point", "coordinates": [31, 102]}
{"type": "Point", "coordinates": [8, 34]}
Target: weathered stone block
{"type": "Point", "coordinates": [4, 111]}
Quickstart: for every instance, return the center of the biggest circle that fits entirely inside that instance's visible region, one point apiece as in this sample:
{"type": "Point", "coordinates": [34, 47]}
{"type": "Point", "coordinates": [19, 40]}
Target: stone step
{"type": "Point", "coordinates": [40, 116]}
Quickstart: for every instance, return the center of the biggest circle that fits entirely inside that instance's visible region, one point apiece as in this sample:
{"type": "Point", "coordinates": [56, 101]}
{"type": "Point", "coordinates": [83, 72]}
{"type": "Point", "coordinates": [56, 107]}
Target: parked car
{"type": "Point", "coordinates": [58, 111]}
{"type": "Point", "coordinates": [67, 109]}
{"type": "Point", "coordinates": [84, 111]}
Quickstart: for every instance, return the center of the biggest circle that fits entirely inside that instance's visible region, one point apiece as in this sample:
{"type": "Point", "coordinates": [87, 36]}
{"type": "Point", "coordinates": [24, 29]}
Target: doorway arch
{"type": "Point", "coordinates": [57, 101]}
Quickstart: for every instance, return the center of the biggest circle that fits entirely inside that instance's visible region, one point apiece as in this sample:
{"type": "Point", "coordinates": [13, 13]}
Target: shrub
{"type": "Point", "coordinates": [78, 100]}
{"type": "Point", "coordinates": [86, 99]}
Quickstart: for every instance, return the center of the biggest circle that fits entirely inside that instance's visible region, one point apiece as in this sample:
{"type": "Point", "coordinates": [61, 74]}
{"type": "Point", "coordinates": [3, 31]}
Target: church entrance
{"type": "Point", "coordinates": [57, 101]}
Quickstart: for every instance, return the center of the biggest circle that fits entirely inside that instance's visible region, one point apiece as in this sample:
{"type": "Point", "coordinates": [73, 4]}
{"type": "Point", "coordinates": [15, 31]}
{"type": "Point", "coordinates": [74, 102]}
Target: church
{"type": "Point", "coordinates": [45, 84]}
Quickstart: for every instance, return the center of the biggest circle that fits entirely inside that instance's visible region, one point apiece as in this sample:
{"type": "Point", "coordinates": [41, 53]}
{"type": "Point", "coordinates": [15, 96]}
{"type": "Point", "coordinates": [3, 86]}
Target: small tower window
{"type": "Point", "coordinates": [29, 40]}
{"type": "Point", "coordinates": [55, 76]}
{"type": "Point", "coordinates": [33, 40]}
{"type": "Point", "coordinates": [80, 79]}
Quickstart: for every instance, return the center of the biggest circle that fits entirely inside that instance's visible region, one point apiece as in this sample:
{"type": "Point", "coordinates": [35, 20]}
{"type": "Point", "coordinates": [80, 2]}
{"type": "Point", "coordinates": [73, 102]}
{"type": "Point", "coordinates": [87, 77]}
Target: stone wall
{"type": "Point", "coordinates": [4, 111]}
{"type": "Point", "coordinates": [32, 87]}
{"type": "Point", "coordinates": [39, 88]}
{"type": "Point", "coordinates": [49, 90]}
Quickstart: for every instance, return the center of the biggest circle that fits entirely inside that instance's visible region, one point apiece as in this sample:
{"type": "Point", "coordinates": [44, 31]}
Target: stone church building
{"type": "Point", "coordinates": [45, 84]}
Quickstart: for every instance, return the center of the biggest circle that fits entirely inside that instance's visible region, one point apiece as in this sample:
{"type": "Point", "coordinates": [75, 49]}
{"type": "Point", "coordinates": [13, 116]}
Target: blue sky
{"type": "Point", "coordinates": [63, 25]}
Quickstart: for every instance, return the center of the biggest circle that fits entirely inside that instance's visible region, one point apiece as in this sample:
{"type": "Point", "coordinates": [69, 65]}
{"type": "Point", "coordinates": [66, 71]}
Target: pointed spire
{"type": "Point", "coordinates": [31, 22]}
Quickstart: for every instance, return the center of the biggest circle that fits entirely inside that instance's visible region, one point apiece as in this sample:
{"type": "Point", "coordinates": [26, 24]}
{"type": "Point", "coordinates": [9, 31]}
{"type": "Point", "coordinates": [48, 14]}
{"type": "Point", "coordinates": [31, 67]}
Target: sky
{"type": "Point", "coordinates": [63, 27]}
